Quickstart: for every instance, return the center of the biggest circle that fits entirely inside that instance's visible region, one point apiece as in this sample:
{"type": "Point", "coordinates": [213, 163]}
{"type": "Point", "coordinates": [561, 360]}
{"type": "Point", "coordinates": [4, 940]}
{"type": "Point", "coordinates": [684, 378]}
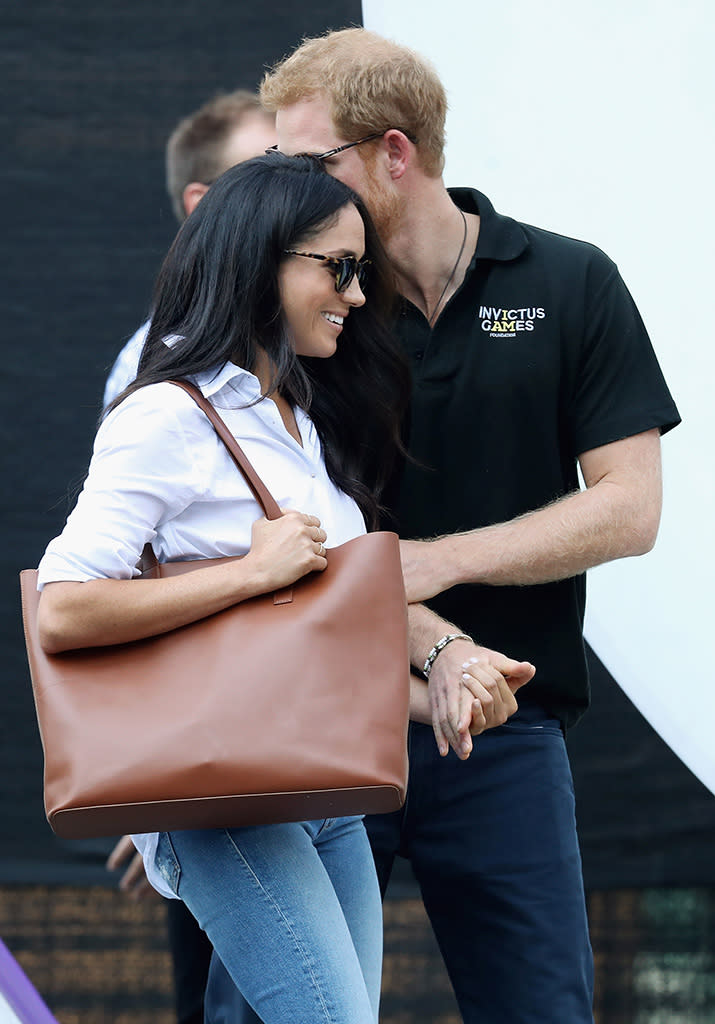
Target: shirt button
{"type": "Point", "coordinates": [419, 354]}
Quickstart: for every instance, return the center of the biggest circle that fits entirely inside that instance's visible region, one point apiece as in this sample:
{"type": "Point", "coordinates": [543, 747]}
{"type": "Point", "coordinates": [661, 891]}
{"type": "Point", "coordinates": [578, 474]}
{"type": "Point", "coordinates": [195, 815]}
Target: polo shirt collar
{"type": "Point", "coordinates": [500, 238]}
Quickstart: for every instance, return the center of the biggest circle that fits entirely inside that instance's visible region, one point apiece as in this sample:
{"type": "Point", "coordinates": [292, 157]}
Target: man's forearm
{"type": "Point", "coordinates": [616, 516]}
{"type": "Point", "coordinates": [426, 628]}
{"type": "Point", "coordinates": [564, 539]}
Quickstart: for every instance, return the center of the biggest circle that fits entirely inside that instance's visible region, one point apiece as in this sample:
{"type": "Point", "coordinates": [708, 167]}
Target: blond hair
{"type": "Point", "coordinates": [371, 84]}
{"type": "Point", "coordinates": [196, 147]}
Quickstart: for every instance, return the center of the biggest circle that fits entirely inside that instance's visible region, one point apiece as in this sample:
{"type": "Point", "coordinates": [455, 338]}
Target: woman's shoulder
{"type": "Point", "coordinates": [156, 406]}
{"type": "Point", "coordinates": [158, 424]}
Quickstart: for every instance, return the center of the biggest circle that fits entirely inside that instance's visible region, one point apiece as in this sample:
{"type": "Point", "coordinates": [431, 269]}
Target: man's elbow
{"type": "Point", "coordinates": [645, 531]}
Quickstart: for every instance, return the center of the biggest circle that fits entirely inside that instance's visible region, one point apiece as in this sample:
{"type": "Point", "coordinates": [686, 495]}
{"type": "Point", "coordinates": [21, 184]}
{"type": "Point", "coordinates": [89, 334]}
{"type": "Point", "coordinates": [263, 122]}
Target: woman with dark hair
{"type": "Point", "coordinates": [260, 303]}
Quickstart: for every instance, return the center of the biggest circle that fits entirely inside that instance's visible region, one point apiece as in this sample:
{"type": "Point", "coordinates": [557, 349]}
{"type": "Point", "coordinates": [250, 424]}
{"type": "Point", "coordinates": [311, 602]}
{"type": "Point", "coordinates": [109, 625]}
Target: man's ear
{"type": "Point", "coordinates": [192, 194]}
{"type": "Point", "coordinates": [400, 152]}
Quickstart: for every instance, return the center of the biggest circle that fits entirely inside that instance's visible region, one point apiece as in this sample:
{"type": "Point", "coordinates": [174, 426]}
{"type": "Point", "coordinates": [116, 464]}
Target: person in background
{"type": "Point", "coordinates": [529, 359]}
{"type": "Point", "coordinates": [226, 130]}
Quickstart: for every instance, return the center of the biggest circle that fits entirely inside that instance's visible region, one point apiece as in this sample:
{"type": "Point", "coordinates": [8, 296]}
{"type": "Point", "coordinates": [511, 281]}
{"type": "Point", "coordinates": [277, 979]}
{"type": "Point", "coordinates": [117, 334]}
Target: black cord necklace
{"type": "Point", "coordinates": [431, 319]}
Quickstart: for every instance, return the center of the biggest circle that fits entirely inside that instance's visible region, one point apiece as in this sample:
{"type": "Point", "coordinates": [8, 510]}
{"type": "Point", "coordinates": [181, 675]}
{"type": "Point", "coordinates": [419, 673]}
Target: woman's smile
{"type": "Point", "coordinates": [307, 285]}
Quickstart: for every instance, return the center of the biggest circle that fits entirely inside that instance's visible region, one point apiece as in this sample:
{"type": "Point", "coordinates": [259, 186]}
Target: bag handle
{"type": "Point", "coordinates": [263, 496]}
{"type": "Point", "coordinates": [148, 561]}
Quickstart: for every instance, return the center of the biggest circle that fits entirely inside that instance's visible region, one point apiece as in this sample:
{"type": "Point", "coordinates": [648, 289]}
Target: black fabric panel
{"type": "Point", "coordinates": [643, 818]}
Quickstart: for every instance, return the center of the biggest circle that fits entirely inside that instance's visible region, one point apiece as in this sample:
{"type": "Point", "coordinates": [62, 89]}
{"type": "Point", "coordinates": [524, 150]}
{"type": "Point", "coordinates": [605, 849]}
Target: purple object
{"type": "Point", "coordinates": [19, 992]}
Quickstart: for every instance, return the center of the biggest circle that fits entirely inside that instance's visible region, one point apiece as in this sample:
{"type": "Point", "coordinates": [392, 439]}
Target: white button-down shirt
{"type": "Point", "coordinates": [126, 364]}
{"type": "Point", "coordinates": [160, 473]}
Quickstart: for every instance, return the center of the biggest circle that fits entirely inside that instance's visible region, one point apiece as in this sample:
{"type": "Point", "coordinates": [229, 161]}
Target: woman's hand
{"type": "Point", "coordinates": [282, 550]}
{"type": "Point", "coordinates": [101, 611]}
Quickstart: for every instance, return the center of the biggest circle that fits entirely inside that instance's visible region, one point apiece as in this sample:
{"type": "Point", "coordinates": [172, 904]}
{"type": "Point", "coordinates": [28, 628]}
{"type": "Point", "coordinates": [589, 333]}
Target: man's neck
{"type": "Point", "coordinates": [429, 249]}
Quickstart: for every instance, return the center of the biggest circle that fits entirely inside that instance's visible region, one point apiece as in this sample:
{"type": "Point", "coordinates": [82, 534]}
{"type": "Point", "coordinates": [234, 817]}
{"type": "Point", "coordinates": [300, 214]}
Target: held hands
{"type": "Point", "coordinates": [471, 689]}
{"type": "Point", "coordinates": [282, 550]}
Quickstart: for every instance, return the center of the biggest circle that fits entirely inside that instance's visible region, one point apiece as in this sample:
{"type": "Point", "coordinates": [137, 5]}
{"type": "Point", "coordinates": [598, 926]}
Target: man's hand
{"type": "Point", "coordinates": [471, 688]}
{"type": "Point", "coordinates": [134, 881]}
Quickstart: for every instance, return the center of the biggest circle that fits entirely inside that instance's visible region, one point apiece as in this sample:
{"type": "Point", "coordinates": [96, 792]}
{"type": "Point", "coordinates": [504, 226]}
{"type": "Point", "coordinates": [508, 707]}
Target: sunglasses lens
{"type": "Point", "coordinates": [345, 274]}
{"type": "Point", "coordinates": [349, 268]}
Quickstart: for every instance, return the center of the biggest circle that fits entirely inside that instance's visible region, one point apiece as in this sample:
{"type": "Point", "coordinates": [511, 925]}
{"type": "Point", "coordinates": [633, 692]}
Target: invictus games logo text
{"type": "Point", "coordinates": [507, 323]}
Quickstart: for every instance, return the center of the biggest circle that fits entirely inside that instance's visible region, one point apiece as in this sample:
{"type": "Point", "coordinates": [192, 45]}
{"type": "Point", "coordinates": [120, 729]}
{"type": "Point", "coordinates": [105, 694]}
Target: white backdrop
{"type": "Point", "coordinates": [597, 120]}
{"type": "Point", "coordinates": [7, 1016]}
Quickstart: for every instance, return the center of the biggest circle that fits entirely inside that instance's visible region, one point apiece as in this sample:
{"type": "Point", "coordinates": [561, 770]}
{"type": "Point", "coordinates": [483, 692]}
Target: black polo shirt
{"type": "Point", "coordinates": [540, 355]}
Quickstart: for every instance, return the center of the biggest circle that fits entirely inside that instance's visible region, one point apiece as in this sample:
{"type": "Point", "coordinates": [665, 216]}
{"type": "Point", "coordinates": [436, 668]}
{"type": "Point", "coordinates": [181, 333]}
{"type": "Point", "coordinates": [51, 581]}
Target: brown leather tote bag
{"type": "Point", "coordinates": [284, 707]}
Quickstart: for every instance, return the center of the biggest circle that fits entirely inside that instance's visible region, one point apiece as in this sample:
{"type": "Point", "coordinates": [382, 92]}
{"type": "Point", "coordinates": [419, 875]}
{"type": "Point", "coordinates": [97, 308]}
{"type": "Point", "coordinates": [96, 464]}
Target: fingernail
{"type": "Point", "coordinates": [466, 676]}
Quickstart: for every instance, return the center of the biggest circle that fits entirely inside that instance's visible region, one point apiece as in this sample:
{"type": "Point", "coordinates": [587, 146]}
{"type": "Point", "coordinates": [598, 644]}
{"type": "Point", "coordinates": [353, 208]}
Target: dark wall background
{"type": "Point", "coordinates": [89, 95]}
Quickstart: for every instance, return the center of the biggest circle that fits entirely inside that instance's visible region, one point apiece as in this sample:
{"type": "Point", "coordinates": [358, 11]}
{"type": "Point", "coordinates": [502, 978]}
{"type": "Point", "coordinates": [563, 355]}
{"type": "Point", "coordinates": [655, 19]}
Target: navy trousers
{"type": "Point", "coordinates": [492, 843]}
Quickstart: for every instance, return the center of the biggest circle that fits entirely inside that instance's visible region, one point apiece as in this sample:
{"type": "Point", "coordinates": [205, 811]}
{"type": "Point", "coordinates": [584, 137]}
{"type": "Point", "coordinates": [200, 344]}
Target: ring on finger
{"type": "Point", "coordinates": [321, 549]}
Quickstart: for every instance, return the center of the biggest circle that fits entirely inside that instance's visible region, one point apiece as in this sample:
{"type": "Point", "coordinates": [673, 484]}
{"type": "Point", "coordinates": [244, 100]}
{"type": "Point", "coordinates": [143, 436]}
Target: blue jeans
{"type": "Point", "coordinates": [492, 843]}
{"type": "Point", "coordinates": [292, 910]}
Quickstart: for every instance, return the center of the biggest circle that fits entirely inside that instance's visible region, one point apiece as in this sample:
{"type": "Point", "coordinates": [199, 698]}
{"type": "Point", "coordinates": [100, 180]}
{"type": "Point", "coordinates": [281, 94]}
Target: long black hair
{"type": "Point", "coordinates": [217, 299]}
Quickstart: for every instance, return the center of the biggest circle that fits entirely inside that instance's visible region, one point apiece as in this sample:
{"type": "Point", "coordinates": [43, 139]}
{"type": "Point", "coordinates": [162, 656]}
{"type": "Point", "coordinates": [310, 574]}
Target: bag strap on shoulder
{"type": "Point", "coordinates": [263, 496]}
{"type": "Point", "coordinates": [148, 562]}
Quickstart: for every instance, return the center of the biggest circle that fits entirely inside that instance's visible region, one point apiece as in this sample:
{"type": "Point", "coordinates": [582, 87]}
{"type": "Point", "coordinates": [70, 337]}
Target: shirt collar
{"type": "Point", "coordinates": [500, 237]}
{"type": "Point", "coordinates": [230, 378]}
